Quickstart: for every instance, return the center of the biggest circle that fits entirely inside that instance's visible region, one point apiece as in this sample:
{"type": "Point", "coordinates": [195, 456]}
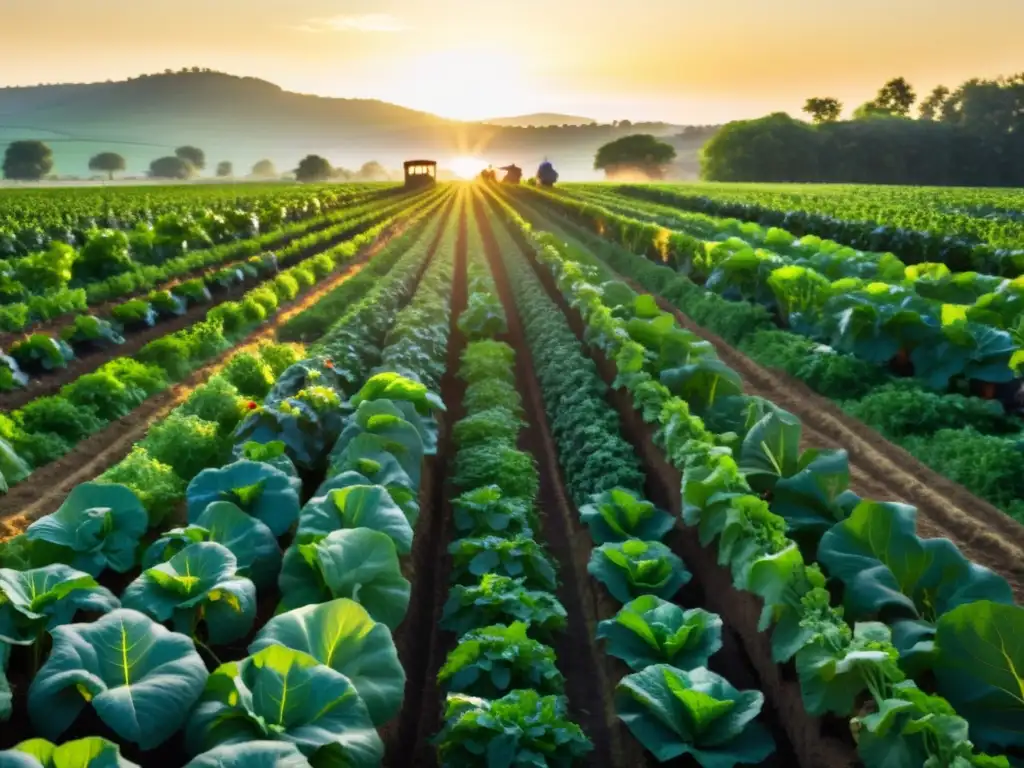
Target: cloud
{"type": "Point", "coordinates": [364, 22]}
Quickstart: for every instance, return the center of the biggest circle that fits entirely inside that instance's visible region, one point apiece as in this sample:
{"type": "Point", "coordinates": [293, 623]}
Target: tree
{"type": "Point", "coordinates": [373, 171]}
{"type": "Point", "coordinates": [225, 168]}
{"type": "Point", "coordinates": [108, 163]}
{"type": "Point", "coordinates": [27, 160]}
{"type": "Point", "coordinates": [931, 107]}
{"type": "Point", "coordinates": [823, 110]}
{"type": "Point", "coordinates": [194, 155]}
{"type": "Point", "coordinates": [640, 152]}
{"type": "Point", "coordinates": [313, 168]}
{"type": "Point", "coordinates": [895, 97]}
{"type": "Point", "coordinates": [171, 167]}
{"type": "Point", "coordinates": [264, 169]}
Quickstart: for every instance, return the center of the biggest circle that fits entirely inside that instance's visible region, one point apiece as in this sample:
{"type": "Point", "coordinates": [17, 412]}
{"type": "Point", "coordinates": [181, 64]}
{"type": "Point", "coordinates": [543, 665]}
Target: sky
{"type": "Point", "coordinates": [683, 61]}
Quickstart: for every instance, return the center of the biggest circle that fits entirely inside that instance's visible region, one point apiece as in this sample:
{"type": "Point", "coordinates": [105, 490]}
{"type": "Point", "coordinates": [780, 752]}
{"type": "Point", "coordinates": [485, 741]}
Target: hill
{"type": "Point", "coordinates": [243, 119]}
{"type": "Point", "coordinates": [539, 119]}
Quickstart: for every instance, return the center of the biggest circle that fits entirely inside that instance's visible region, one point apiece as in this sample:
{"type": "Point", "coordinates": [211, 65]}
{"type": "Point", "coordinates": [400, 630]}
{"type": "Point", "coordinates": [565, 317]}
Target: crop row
{"type": "Point", "coordinates": [968, 439]}
{"type": "Point", "coordinates": [784, 524]}
{"type": "Point", "coordinates": [55, 279]}
{"type": "Point", "coordinates": [313, 684]}
{"type": "Point", "coordinates": [954, 226]}
{"type": "Point", "coordinates": [47, 428]}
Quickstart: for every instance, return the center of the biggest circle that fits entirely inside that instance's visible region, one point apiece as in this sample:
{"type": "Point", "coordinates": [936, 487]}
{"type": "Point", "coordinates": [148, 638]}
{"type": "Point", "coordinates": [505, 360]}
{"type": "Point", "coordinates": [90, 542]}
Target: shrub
{"type": "Point", "coordinates": [250, 374]}
{"type": "Point", "coordinates": [89, 329]}
{"type": "Point", "coordinates": [218, 401]}
{"type": "Point", "coordinates": [265, 297]}
{"type": "Point", "coordinates": [286, 287]}
{"type": "Point", "coordinates": [13, 317]}
{"type": "Point", "coordinates": [205, 339]}
{"type": "Point", "coordinates": [280, 357]}
{"type": "Point", "coordinates": [149, 378]}
{"type": "Point", "coordinates": [321, 265]}
{"type": "Point", "coordinates": [58, 416]}
{"type": "Point", "coordinates": [230, 315]}
{"type": "Point", "coordinates": [157, 486]}
{"type": "Point", "coordinates": [188, 444]}
{"type": "Point", "coordinates": [254, 311]}
{"type": "Point", "coordinates": [104, 394]}
{"type": "Point", "coordinates": [171, 353]}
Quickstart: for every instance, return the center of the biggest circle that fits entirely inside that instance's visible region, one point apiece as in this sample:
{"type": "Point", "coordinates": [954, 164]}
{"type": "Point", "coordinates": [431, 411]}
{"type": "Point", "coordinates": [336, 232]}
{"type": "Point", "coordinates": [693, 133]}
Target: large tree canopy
{"type": "Point", "coordinates": [225, 168]}
{"type": "Point", "coordinates": [264, 169]}
{"type": "Point", "coordinates": [826, 110]}
{"type": "Point", "coordinates": [641, 152]}
{"type": "Point", "coordinates": [171, 167]}
{"type": "Point", "coordinates": [27, 160]}
{"type": "Point", "coordinates": [313, 168]}
{"type": "Point", "coordinates": [108, 163]}
{"type": "Point", "coordinates": [194, 155]}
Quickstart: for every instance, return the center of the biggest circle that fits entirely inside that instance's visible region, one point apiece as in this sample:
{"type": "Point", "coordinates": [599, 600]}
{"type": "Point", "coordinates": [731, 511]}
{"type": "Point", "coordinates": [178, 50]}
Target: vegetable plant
{"type": "Point", "coordinates": [356, 506]}
{"type": "Point", "coordinates": [491, 661]}
{"type": "Point", "coordinates": [499, 599]}
{"type": "Point", "coordinates": [90, 752]}
{"type": "Point", "coordinates": [619, 514]}
{"type": "Point", "coordinates": [633, 568]}
{"type": "Point", "coordinates": [486, 511]}
{"type": "Point", "coordinates": [518, 557]}
{"type": "Point", "coordinates": [649, 630]}
{"type": "Point", "coordinates": [259, 489]}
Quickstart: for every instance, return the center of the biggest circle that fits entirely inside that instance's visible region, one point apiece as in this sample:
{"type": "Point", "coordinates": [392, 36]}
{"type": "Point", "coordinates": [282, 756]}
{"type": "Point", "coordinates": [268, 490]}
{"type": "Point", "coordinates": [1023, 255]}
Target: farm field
{"type": "Point", "coordinates": [483, 475]}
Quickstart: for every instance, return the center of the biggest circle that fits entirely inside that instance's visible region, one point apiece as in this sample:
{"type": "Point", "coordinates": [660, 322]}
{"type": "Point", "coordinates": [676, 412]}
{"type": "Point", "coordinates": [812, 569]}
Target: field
{"type": "Point", "coordinates": [348, 475]}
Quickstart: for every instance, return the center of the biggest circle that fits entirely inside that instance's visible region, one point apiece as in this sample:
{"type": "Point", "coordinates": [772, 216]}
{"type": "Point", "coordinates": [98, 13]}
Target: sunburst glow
{"type": "Point", "coordinates": [467, 167]}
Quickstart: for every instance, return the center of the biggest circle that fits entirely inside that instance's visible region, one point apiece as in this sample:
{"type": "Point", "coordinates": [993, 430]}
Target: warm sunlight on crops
{"type": "Point", "coordinates": [466, 167]}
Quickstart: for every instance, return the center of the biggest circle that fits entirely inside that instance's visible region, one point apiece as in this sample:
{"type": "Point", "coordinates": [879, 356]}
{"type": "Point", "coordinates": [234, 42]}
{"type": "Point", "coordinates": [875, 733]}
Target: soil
{"type": "Point", "coordinates": [47, 486]}
{"type": "Point", "coordinates": [880, 469]}
{"type": "Point", "coordinates": [745, 659]}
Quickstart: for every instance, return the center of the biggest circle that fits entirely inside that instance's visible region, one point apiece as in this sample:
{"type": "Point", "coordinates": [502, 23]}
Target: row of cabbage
{"type": "Point", "coordinates": [145, 683]}
{"type": "Point", "coordinates": [904, 316]}
{"type": "Point", "coordinates": [48, 277]}
{"type": "Point", "coordinates": [39, 354]}
{"type": "Point", "coordinates": [505, 696]}
{"type": "Point", "coordinates": [789, 529]}
{"type": "Point", "coordinates": [672, 703]}
{"type": "Point", "coordinates": [48, 427]}
{"type": "Point", "coordinates": [965, 228]}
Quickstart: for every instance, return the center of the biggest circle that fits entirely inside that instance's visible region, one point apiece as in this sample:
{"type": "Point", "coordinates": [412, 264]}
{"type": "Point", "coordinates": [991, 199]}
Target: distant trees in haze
{"type": "Point", "coordinates": [27, 160]}
{"type": "Point", "coordinates": [264, 169]}
{"type": "Point", "coordinates": [372, 171]}
{"type": "Point", "coordinates": [193, 155]}
{"type": "Point", "coordinates": [641, 153]}
{"type": "Point", "coordinates": [108, 163]}
{"type": "Point", "coordinates": [171, 167]}
{"type": "Point", "coordinates": [313, 168]}
{"type": "Point", "coordinates": [969, 136]}
{"type": "Point", "coordinates": [225, 168]}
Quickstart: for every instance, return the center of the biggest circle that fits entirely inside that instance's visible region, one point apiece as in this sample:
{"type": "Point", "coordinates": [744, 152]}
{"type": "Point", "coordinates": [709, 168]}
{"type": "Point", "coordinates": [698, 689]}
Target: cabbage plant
{"type": "Point", "coordinates": [199, 585]}
{"type": "Point", "coordinates": [486, 511]}
{"type": "Point", "coordinates": [517, 557]}
{"type": "Point", "coordinates": [618, 514]}
{"type": "Point", "coordinates": [375, 466]}
{"type": "Point", "coordinates": [497, 599]}
{"type": "Point", "coordinates": [379, 426]}
{"type": "Point", "coordinates": [392, 386]}
{"type": "Point", "coordinates": [356, 563]}
{"type": "Point", "coordinates": [99, 525]}
{"type": "Point", "coordinates": [649, 630]}
{"type": "Point", "coordinates": [90, 752]}
{"type": "Point", "coordinates": [252, 754]}
{"type": "Point", "coordinates": [35, 601]}
{"type": "Point", "coordinates": [280, 694]}
{"type": "Point", "coordinates": [697, 713]}
{"type": "Point", "coordinates": [292, 422]}
{"type": "Point", "coordinates": [273, 453]}
{"type": "Point", "coordinates": [261, 490]}
{"type": "Point", "coordinates": [356, 506]}
{"type": "Point", "coordinates": [343, 636]}
{"type": "Point", "coordinates": [139, 677]}
{"type": "Point", "coordinates": [633, 568]}
{"type": "Point", "coordinates": [251, 542]}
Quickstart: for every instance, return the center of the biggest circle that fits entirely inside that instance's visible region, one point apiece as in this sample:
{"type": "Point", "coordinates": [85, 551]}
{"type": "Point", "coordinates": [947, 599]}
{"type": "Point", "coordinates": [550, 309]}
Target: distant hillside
{"type": "Point", "coordinates": [539, 119]}
{"type": "Point", "coordinates": [243, 120]}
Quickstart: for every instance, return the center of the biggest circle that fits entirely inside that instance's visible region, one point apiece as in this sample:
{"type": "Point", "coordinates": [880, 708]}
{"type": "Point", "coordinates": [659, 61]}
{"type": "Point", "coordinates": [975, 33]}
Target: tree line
{"type": "Point", "coordinates": [969, 136]}
{"type": "Point", "coordinates": [33, 160]}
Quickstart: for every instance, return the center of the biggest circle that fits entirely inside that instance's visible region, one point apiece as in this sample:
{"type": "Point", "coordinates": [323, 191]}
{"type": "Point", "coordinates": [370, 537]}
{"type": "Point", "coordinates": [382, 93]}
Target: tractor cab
{"type": "Point", "coordinates": [420, 173]}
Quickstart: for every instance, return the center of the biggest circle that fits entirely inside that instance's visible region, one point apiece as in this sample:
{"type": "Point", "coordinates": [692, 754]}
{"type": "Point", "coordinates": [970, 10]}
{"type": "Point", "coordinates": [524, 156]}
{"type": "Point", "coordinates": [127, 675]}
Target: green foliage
{"type": "Point", "coordinates": [675, 713]}
{"type": "Point", "coordinates": [640, 152]}
{"type": "Point", "coordinates": [488, 359]}
{"type": "Point", "coordinates": [649, 630]}
{"type": "Point", "coordinates": [495, 463]}
{"type": "Point", "coordinates": [28, 160]}
{"type": "Point", "coordinates": [104, 394]}
{"type": "Point", "coordinates": [518, 557]}
{"type": "Point", "coordinates": [153, 482]}
{"type": "Point", "coordinates": [343, 636]}
{"type": "Point", "coordinates": [492, 661]}
{"type": "Point", "coordinates": [90, 752]}
{"type": "Point", "coordinates": [483, 317]}
{"type": "Point", "coordinates": [634, 568]}
{"type": "Point", "coordinates": [502, 600]}
{"type": "Point", "coordinates": [250, 374]}
{"type": "Point", "coordinates": [617, 515]}
{"type": "Point", "coordinates": [58, 416]}
{"type": "Point", "coordinates": [217, 401]}
{"type": "Point", "coordinates": [496, 424]}
{"type": "Point", "coordinates": [135, 313]}
{"type": "Point", "coordinates": [261, 490]}
{"type": "Point", "coordinates": [98, 524]}
{"type": "Point", "coordinates": [90, 330]}
{"type": "Point", "coordinates": [105, 253]}
{"type": "Point", "coordinates": [356, 506]}
{"type": "Point", "coordinates": [487, 511]}
{"type": "Point", "coordinates": [38, 600]}
{"type": "Point", "coordinates": [187, 444]}
{"type": "Point", "coordinates": [520, 728]}
{"type": "Point", "coordinates": [280, 357]}
{"type": "Point", "coordinates": [140, 678]}
{"type": "Point", "coordinates": [492, 393]}
{"type": "Point", "coordinates": [40, 352]}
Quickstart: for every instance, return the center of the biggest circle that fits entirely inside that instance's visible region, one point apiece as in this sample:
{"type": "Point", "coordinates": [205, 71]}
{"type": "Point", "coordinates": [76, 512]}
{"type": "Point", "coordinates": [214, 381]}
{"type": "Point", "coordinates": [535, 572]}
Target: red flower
{"type": "Point", "coordinates": [329, 364]}
{"type": "Point", "coordinates": [251, 405]}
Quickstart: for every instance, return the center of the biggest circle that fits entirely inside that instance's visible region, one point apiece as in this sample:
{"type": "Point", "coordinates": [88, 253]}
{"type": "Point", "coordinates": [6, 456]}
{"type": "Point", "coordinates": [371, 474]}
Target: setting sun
{"type": "Point", "coordinates": [466, 167]}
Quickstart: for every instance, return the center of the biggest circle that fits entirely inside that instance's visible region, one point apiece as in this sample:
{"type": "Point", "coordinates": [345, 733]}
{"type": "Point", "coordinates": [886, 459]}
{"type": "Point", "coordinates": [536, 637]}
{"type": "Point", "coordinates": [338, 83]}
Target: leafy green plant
{"type": "Point", "coordinates": [193, 291]}
{"type": "Point", "coordinates": [37, 600]}
{"type": "Point", "coordinates": [280, 357]}
{"type": "Point", "coordinates": [521, 728]}
{"type": "Point", "coordinates": [140, 678]}
{"type": "Point", "coordinates": [698, 713]}
{"type": "Point", "coordinates": [252, 754]}
{"type": "Point", "coordinates": [356, 563]}
{"type": "Point", "coordinates": [92, 331]}
{"type": "Point", "coordinates": [483, 317]}
{"type": "Point", "coordinates": [285, 695]}
{"type": "Point", "coordinates": [493, 393]}
{"type": "Point", "coordinates": [492, 661]}
{"type": "Point", "coordinates": [618, 514]}
{"type": "Point", "coordinates": [342, 635]}
{"type": "Point", "coordinates": [500, 600]}
{"type": "Point", "coordinates": [292, 422]}
{"type": "Point", "coordinates": [494, 424]}
{"type": "Point", "coordinates": [392, 386]}
{"type": "Point", "coordinates": [272, 453]}
{"type": "Point", "coordinates": [134, 314]}
{"type": "Point", "coordinates": [13, 468]}
{"type": "Point", "coordinates": [167, 304]}
{"type": "Point", "coordinates": [649, 630]}
{"type": "Point", "coordinates": [251, 542]}
{"type": "Point", "coordinates": [104, 394]}
{"type": "Point", "coordinates": [487, 511]}
{"type": "Point", "coordinates": [99, 525]}
{"type": "Point", "coordinates": [149, 378]}
{"type": "Point", "coordinates": [11, 376]}
{"type": "Point", "coordinates": [250, 374]}
{"type": "Point", "coordinates": [356, 506]}
{"type": "Point", "coordinates": [58, 416]}
{"type": "Point", "coordinates": [516, 557]}
{"type": "Point", "coordinates": [198, 585]}
{"type": "Point", "coordinates": [219, 401]}
{"type": "Point", "coordinates": [489, 359]}
{"type": "Point", "coordinates": [171, 353]}
{"type": "Point", "coordinates": [40, 352]}
{"type": "Point", "coordinates": [505, 466]}
{"type": "Point", "coordinates": [633, 568]}
{"type": "Point", "coordinates": [90, 752]}
{"type": "Point", "coordinates": [153, 482]}
{"type": "Point", "coordinates": [261, 490]}
{"type": "Point", "coordinates": [187, 444]}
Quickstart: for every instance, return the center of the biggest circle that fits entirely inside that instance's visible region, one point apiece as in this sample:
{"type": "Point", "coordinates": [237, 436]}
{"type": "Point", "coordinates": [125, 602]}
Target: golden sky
{"type": "Point", "coordinates": [685, 61]}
